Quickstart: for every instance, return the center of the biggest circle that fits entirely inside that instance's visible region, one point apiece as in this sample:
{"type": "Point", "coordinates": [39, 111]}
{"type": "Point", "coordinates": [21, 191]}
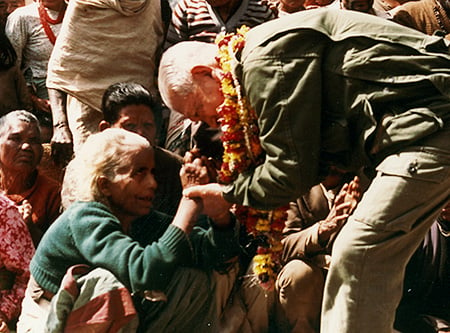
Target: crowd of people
{"type": "Point", "coordinates": [113, 214]}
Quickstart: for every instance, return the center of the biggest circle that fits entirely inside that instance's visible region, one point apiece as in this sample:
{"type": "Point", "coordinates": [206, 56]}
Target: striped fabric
{"type": "Point", "coordinates": [198, 20]}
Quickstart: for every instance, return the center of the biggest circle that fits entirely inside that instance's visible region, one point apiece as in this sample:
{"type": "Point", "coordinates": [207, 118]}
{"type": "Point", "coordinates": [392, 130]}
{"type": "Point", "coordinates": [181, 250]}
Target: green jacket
{"type": "Point", "coordinates": [333, 86]}
{"type": "Point", "coordinates": [88, 233]}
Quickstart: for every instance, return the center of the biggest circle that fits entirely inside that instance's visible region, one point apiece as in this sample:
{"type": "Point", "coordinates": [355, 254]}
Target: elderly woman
{"type": "Point", "coordinates": [20, 153]}
{"type": "Point", "coordinates": [112, 226]}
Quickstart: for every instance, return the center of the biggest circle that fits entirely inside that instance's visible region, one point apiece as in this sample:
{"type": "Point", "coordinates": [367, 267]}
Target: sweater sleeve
{"type": "Point", "coordinates": [215, 248]}
{"type": "Point", "coordinates": [98, 236]}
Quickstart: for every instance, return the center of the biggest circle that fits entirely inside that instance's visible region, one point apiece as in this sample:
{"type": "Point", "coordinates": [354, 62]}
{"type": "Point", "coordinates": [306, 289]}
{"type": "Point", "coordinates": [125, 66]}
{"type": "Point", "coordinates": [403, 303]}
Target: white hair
{"type": "Point", "coordinates": [174, 76]}
{"type": "Point", "coordinates": [103, 154]}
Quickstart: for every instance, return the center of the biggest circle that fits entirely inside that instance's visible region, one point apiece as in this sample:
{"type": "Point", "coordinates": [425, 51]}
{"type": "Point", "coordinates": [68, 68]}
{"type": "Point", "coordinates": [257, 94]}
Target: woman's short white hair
{"type": "Point", "coordinates": [175, 67]}
{"type": "Point", "coordinates": [21, 115]}
{"type": "Point", "coordinates": [102, 154]}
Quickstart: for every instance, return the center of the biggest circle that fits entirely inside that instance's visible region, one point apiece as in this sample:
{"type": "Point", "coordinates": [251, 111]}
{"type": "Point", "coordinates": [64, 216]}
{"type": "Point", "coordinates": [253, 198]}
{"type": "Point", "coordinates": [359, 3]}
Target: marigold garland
{"type": "Point", "coordinates": [243, 151]}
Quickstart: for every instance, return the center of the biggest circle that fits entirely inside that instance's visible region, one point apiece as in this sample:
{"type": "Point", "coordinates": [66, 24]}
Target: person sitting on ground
{"type": "Point", "coordinates": [312, 225]}
{"type": "Point", "coordinates": [112, 226]}
{"type": "Point", "coordinates": [425, 305]}
{"type": "Point", "coordinates": [16, 251]}
{"type": "Point", "coordinates": [37, 195]}
{"type": "Point", "coordinates": [131, 106]}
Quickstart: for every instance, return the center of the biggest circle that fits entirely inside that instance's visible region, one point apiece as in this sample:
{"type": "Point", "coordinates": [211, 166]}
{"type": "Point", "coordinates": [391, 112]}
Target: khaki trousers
{"type": "Point", "coordinates": [364, 284]}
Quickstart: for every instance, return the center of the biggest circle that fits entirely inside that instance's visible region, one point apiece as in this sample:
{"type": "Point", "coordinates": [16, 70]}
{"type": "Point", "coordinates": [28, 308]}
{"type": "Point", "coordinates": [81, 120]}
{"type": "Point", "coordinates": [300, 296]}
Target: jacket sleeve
{"type": "Point", "coordinates": [284, 86]}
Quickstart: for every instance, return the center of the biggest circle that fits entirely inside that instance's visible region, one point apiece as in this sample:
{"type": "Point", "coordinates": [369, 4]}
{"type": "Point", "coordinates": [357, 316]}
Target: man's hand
{"type": "Point", "coordinates": [61, 144]}
{"type": "Point", "coordinates": [214, 204]}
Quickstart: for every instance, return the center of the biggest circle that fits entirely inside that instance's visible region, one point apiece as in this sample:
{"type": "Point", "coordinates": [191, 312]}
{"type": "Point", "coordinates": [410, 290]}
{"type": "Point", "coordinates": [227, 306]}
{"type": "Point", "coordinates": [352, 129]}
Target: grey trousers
{"type": "Point", "coordinates": [364, 284]}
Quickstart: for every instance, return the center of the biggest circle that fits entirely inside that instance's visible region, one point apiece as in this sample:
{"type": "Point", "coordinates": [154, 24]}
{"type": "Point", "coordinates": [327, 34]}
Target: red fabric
{"type": "Point", "coordinates": [45, 198]}
{"type": "Point", "coordinates": [16, 251]}
{"type": "Point", "coordinates": [106, 313]}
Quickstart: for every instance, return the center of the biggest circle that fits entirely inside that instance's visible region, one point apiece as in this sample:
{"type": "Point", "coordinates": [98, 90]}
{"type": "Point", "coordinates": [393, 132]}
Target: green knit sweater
{"type": "Point", "coordinates": [88, 233]}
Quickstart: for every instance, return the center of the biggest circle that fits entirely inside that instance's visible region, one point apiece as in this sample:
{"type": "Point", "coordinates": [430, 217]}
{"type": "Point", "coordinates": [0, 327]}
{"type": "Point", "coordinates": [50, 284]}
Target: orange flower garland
{"type": "Point", "coordinates": [243, 151]}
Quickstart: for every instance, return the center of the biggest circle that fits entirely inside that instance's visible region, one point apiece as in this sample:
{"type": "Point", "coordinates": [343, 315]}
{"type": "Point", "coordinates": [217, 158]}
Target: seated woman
{"type": "Point", "coordinates": [16, 251]}
{"type": "Point", "coordinates": [172, 263]}
{"type": "Point", "coordinates": [20, 153]}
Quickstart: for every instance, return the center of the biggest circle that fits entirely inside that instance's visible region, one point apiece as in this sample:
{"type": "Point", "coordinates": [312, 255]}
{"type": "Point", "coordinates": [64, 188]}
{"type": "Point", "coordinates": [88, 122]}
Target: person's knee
{"type": "Point", "coordinates": [301, 281]}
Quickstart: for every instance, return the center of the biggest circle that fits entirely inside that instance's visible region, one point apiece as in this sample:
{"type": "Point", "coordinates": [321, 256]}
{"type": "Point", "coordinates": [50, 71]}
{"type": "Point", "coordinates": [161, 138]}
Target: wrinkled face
{"type": "Point", "coordinates": [138, 119]}
{"type": "Point", "coordinates": [358, 5]}
{"type": "Point", "coordinates": [132, 191]}
{"type": "Point", "coordinates": [202, 103]}
{"type": "Point", "coordinates": [20, 147]}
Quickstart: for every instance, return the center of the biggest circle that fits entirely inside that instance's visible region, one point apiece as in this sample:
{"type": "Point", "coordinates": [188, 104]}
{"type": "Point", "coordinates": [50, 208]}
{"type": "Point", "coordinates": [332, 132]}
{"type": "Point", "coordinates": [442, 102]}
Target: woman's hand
{"type": "Point", "coordinates": [25, 209]}
{"type": "Point", "coordinates": [194, 173]}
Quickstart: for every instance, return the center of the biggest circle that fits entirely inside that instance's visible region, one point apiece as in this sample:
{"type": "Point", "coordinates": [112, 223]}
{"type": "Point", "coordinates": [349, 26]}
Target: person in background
{"type": "Point", "coordinates": [427, 16]}
{"type": "Point", "coordinates": [89, 40]}
{"type": "Point", "coordinates": [363, 6]}
{"type": "Point", "coordinates": [32, 30]}
{"type": "Point", "coordinates": [37, 196]}
{"type": "Point", "coordinates": [130, 106]}
{"type": "Point", "coordinates": [425, 306]}
{"type": "Point", "coordinates": [14, 94]}
{"type": "Point", "coordinates": [112, 225]}
{"type": "Point", "coordinates": [314, 220]}
{"type": "Point", "coordinates": [16, 251]}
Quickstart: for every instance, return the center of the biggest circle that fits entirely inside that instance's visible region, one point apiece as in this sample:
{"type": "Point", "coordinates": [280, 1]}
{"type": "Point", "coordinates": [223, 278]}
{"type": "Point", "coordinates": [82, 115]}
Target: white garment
{"type": "Point", "coordinates": [103, 42]}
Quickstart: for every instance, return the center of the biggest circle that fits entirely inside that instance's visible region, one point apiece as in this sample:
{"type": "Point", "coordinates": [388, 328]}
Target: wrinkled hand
{"type": "Point", "coordinates": [25, 209]}
{"type": "Point", "coordinates": [344, 205]}
{"type": "Point", "coordinates": [214, 204]}
{"type": "Point", "coordinates": [208, 162]}
{"type": "Point", "coordinates": [353, 194]}
{"type": "Point", "coordinates": [194, 173]}
{"type": "Point", "coordinates": [62, 145]}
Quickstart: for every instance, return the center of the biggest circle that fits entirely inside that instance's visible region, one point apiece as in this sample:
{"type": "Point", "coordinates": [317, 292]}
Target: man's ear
{"type": "Point", "coordinates": [103, 184]}
{"type": "Point", "coordinates": [103, 125]}
{"type": "Point", "coordinates": [201, 70]}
